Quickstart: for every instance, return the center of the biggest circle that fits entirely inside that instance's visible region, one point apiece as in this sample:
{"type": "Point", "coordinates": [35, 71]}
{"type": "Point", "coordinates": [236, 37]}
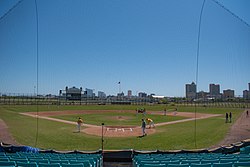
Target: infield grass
{"type": "Point", "coordinates": [114, 118]}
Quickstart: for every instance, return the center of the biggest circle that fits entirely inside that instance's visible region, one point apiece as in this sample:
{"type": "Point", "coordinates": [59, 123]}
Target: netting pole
{"type": "Point", "coordinates": [197, 69]}
{"type": "Point", "coordinates": [37, 56]}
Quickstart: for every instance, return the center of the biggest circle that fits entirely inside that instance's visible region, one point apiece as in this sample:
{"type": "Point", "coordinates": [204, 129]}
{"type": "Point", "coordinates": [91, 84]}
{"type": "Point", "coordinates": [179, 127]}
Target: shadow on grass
{"type": "Point", "coordinates": [142, 136]}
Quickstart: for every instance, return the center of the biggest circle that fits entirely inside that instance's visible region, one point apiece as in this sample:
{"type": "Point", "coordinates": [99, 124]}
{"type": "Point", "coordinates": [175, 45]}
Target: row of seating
{"type": "Point", "coordinates": [245, 150]}
{"type": "Point", "coordinates": [192, 159]}
{"type": "Point", "coordinates": [50, 159]}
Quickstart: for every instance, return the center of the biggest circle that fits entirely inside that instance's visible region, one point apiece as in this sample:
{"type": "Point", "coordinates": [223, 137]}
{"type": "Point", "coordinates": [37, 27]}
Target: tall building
{"type": "Point", "coordinates": [214, 91]}
{"type": "Point", "coordinates": [228, 94]}
{"type": "Point", "coordinates": [129, 93]}
{"type": "Point", "coordinates": [101, 94]}
{"type": "Point", "coordinates": [191, 91]}
{"type": "Point", "coordinates": [142, 94]}
{"type": "Point", "coordinates": [202, 95]}
{"type": "Point", "coordinates": [246, 94]}
{"type": "Point", "coordinates": [89, 92]}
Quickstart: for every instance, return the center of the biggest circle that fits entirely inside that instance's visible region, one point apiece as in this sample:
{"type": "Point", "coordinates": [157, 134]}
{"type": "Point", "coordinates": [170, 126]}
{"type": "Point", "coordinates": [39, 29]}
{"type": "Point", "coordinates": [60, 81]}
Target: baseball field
{"type": "Point", "coordinates": [54, 127]}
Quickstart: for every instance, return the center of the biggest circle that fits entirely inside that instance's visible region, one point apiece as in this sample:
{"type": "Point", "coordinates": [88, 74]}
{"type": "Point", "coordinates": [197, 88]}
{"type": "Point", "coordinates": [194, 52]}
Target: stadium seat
{"type": "Point", "coordinates": [188, 161]}
{"type": "Point", "coordinates": [73, 165]}
{"type": "Point", "coordinates": [58, 161]}
{"type": "Point", "coordinates": [228, 164]}
{"type": "Point", "coordinates": [7, 163]}
{"type": "Point", "coordinates": [228, 160]}
{"type": "Point", "coordinates": [142, 163]}
{"type": "Point", "coordinates": [32, 164]}
{"type": "Point", "coordinates": [153, 165]}
{"type": "Point", "coordinates": [48, 165]}
{"type": "Point", "coordinates": [84, 162]}
{"type": "Point", "coordinates": [238, 164]}
{"type": "Point", "coordinates": [210, 161]}
{"type": "Point", "coordinates": [201, 165]}
{"type": "Point", "coordinates": [245, 150]}
{"type": "Point", "coordinates": [38, 161]}
{"type": "Point", "coordinates": [178, 165]}
{"type": "Point", "coordinates": [243, 159]}
{"type": "Point", "coordinates": [4, 159]}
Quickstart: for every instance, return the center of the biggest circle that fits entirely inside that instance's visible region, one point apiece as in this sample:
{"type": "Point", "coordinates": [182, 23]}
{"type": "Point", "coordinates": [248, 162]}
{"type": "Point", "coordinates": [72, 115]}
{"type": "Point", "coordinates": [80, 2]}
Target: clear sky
{"type": "Point", "coordinates": [149, 46]}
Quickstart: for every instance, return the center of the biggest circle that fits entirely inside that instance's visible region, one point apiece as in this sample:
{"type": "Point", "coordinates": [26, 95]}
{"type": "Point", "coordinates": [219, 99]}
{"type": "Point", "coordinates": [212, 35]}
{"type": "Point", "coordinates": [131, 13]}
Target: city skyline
{"type": "Point", "coordinates": [147, 47]}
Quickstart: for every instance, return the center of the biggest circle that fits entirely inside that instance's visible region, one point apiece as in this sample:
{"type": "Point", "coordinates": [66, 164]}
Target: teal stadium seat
{"type": "Point", "coordinates": [84, 162]}
{"type": "Point", "coordinates": [193, 161]}
{"type": "Point", "coordinates": [154, 165]}
{"type": "Point", "coordinates": [212, 161]}
{"type": "Point", "coordinates": [4, 159]}
{"type": "Point", "coordinates": [228, 164]}
{"type": "Point", "coordinates": [7, 163]}
{"type": "Point", "coordinates": [244, 159]}
{"type": "Point", "coordinates": [72, 165]}
{"type": "Point", "coordinates": [49, 165]}
{"type": "Point", "coordinates": [245, 150]}
{"type": "Point", "coordinates": [201, 165]}
{"type": "Point", "coordinates": [142, 163]}
{"type": "Point", "coordinates": [238, 164]}
{"type": "Point", "coordinates": [178, 165]}
{"type": "Point", "coordinates": [23, 164]}
{"type": "Point", "coordinates": [58, 161]}
{"type": "Point", "coordinates": [228, 160]}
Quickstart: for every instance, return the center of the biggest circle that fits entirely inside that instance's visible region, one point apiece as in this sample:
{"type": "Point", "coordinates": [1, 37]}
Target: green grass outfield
{"type": "Point", "coordinates": [61, 136]}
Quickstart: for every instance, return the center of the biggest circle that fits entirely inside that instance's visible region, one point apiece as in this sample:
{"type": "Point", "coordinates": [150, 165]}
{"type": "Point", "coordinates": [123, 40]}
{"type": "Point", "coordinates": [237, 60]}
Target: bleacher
{"type": "Point", "coordinates": [29, 159]}
{"type": "Point", "coordinates": [193, 159]}
{"type": "Point", "coordinates": [236, 156]}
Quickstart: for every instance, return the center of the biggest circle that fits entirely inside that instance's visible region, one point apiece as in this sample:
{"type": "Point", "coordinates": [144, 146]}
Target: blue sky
{"type": "Point", "coordinates": [149, 46]}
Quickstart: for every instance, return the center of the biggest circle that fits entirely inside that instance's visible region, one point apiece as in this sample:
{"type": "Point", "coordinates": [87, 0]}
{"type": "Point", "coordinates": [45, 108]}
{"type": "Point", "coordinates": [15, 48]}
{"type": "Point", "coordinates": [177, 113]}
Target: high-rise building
{"type": "Point", "coordinates": [248, 86]}
{"type": "Point", "coordinates": [129, 93]}
{"type": "Point", "coordinates": [142, 94]}
{"type": "Point", "coordinates": [228, 94]}
{"type": "Point", "coordinates": [101, 94]}
{"type": "Point", "coordinates": [246, 94]}
{"type": "Point", "coordinates": [214, 91]}
{"type": "Point", "coordinates": [191, 91]}
{"type": "Point", "coordinates": [89, 92]}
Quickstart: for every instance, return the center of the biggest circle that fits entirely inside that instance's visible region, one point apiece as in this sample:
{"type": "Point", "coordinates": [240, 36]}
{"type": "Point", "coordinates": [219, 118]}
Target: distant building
{"type": "Point", "coordinates": [214, 91]}
{"type": "Point", "coordinates": [120, 94]}
{"type": "Point", "coordinates": [248, 86]}
{"type": "Point", "coordinates": [202, 95]}
{"type": "Point", "coordinates": [129, 93]}
{"type": "Point", "coordinates": [228, 94]}
{"type": "Point", "coordinates": [89, 93]}
{"type": "Point", "coordinates": [142, 94]}
{"type": "Point", "coordinates": [101, 94]}
{"type": "Point", "coordinates": [73, 93]}
{"type": "Point", "coordinates": [246, 94]}
{"type": "Point", "coordinates": [191, 91]}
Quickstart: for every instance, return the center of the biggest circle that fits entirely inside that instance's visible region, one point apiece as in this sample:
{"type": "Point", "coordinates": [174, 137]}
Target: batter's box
{"type": "Point", "coordinates": [112, 129]}
{"type": "Point", "coordinates": [128, 129]}
{"type": "Point", "coordinates": [120, 129]}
